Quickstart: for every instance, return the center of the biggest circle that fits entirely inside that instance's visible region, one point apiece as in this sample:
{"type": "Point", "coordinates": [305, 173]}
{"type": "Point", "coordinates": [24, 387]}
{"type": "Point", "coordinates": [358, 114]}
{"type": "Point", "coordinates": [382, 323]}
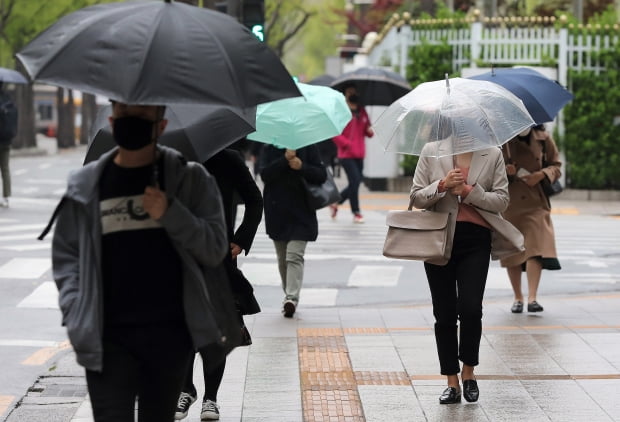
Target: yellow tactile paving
{"type": "Point", "coordinates": [329, 388]}
{"type": "Point", "coordinates": [43, 355]}
{"type": "Point", "coordinates": [365, 330]}
{"type": "Point", "coordinates": [5, 402]}
{"type": "Point", "coordinates": [381, 378]}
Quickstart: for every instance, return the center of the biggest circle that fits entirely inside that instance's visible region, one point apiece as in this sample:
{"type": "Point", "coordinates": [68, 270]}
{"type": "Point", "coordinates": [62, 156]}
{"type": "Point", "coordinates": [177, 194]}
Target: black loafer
{"type": "Point", "coordinates": [470, 390]}
{"type": "Point", "coordinates": [517, 307]}
{"type": "Point", "coordinates": [450, 395]}
{"type": "Point", "coordinates": [534, 307]}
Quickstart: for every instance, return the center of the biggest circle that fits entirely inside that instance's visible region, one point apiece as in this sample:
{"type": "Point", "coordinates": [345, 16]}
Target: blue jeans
{"type": "Point", "coordinates": [353, 167]}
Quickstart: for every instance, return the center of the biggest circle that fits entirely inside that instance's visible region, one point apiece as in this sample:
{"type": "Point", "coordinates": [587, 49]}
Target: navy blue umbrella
{"type": "Point", "coordinates": [543, 97]}
{"type": "Point", "coordinates": [11, 76]}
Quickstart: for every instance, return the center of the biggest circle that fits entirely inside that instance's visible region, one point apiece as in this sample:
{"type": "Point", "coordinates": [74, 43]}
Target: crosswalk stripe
{"type": "Point", "coordinates": [44, 296]}
{"type": "Point", "coordinates": [30, 247]}
{"type": "Point", "coordinates": [374, 275]}
{"type": "Point", "coordinates": [19, 227]}
{"type": "Point", "coordinates": [25, 268]}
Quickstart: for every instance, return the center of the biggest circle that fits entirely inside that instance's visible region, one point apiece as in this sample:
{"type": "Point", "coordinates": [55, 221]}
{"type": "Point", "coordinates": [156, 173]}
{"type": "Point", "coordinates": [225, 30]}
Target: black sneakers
{"type": "Point", "coordinates": [185, 401]}
{"type": "Point", "coordinates": [210, 411]}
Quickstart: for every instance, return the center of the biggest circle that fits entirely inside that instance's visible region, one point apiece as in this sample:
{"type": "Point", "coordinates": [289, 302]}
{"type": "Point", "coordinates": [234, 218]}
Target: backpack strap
{"type": "Point", "coordinates": [52, 219]}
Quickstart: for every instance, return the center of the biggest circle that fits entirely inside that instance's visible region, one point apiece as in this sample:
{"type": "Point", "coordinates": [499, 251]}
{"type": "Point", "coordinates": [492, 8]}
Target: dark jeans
{"type": "Point", "coordinates": [147, 362]}
{"type": "Point", "coordinates": [212, 378]}
{"type": "Point", "coordinates": [353, 167]}
{"type": "Point", "coordinates": [5, 152]}
{"type": "Point", "coordinates": [457, 289]}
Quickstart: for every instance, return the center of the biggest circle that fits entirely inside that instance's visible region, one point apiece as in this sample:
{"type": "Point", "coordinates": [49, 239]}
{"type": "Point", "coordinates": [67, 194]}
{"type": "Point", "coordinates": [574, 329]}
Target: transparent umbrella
{"type": "Point", "coordinates": [458, 115]}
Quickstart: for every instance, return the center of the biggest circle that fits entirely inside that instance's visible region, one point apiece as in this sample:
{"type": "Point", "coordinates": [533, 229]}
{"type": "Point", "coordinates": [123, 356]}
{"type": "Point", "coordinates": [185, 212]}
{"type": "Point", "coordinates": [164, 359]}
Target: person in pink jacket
{"type": "Point", "coordinates": [351, 152]}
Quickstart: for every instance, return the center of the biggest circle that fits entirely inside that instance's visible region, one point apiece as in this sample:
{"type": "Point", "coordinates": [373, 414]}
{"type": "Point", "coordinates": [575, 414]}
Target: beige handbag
{"type": "Point", "coordinates": [416, 235]}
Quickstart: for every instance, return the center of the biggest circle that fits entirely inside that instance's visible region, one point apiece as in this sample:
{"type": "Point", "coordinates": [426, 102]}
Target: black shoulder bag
{"type": "Point", "coordinates": [549, 188]}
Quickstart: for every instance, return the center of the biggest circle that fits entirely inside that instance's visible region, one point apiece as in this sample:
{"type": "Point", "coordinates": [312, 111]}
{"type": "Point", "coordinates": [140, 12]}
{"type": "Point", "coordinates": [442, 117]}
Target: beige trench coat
{"type": "Point", "coordinates": [528, 210]}
{"type": "Point", "coordinates": [487, 174]}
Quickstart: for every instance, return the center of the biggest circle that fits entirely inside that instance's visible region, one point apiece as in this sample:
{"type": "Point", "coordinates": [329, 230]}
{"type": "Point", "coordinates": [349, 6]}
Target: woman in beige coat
{"type": "Point", "coordinates": [530, 159]}
{"type": "Point", "coordinates": [473, 188]}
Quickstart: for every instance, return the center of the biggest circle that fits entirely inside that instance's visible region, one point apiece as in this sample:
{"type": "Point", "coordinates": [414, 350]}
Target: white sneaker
{"type": "Point", "coordinates": [210, 411]}
{"type": "Point", "coordinates": [4, 203]}
{"type": "Point", "coordinates": [185, 401]}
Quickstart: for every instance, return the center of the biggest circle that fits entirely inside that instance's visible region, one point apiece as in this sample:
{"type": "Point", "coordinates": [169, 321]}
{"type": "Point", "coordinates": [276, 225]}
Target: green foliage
{"type": "Point", "coordinates": [591, 139]}
{"type": "Point", "coordinates": [29, 18]}
{"type": "Point", "coordinates": [429, 62]}
{"type": "Point", "coordinates": [316, 41]}
{"type": "Point", "coordinates": [408, 164]}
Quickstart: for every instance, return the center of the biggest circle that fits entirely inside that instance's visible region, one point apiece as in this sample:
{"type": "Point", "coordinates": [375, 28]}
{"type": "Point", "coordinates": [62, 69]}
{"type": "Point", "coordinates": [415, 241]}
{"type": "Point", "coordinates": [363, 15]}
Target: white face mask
{"type": "Point", "coordinates": [526, 132]}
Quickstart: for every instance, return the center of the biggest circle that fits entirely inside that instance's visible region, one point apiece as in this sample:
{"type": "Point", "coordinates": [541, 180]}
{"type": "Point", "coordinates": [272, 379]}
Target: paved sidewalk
{"type": "Point", "coordinates": [380, 364]}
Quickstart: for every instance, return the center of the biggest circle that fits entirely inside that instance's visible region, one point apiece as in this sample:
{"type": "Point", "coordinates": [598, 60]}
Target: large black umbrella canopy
{"type": "Point", "coordinates": [322, 80]}
{"type": "Point", "coordinates": [158, 52]}
{"type": "Point", "coordinates": [375, 86]}
{"type": "Point", "coordinates": [197, 131]}
{"type": "Point", "coordinates": [11, 76]}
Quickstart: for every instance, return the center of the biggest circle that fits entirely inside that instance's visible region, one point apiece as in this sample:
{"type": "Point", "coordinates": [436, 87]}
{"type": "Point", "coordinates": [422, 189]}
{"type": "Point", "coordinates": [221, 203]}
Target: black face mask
{"type": "Point", "coordinates": [132, 132]}
{"type": "Point", "coordinates": [354, 98]}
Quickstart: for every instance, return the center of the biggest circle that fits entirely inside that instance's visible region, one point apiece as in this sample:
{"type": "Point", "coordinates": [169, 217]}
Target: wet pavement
{"type": "Point", "coordinates": [380, 364]}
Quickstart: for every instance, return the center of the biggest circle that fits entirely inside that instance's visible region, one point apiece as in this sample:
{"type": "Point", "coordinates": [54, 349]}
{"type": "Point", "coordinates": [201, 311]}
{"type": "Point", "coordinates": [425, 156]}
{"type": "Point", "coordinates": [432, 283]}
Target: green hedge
{"type": "Point", "coordinates": [592, 139]}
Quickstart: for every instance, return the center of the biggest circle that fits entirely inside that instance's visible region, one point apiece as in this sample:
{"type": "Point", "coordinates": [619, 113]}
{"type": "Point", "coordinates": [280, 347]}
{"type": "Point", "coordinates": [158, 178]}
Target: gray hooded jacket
{"type": "Point", "coordinates": [195, 223]}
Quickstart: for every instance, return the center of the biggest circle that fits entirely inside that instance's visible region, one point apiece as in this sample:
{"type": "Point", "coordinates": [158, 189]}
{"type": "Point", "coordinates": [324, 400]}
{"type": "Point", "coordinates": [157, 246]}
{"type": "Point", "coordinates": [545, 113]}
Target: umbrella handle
{"type": "Point", "coordinates": [447, 83]}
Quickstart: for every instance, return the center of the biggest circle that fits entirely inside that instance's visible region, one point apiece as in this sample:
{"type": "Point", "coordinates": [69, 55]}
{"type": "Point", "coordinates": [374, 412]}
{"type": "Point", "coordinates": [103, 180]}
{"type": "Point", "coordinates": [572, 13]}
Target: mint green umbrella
{"type": "Point", "coordinates": [294, 123]}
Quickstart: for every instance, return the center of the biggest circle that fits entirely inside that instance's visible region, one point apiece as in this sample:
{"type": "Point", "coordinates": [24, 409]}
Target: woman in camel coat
{"type": "Point", "coordinates": [529, 159]}
{"type": "Point", "coordinates": [473, 188]}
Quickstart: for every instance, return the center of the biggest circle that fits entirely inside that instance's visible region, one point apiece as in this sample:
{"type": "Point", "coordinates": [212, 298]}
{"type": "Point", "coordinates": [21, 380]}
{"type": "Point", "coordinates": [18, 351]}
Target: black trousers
{"type": "Point", "coordinates": [148, 362]}
{"type": "Point", "coordinates": [212, 378]}
{"type": "Point", "coordinates": [457, 290]}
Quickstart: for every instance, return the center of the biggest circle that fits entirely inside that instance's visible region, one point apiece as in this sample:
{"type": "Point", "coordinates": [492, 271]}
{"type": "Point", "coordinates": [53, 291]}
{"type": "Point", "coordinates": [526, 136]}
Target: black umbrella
{"type": "Point", "coordinates": [197, 131]}
{"type": "Point", "coordinates": [375, 86]}
{"type": "Point", "coordinates": [322, 80]}
{"type": "Point", "coordinates": [156, 52]}
{"type": "Point", "coordinates": [11, 76]}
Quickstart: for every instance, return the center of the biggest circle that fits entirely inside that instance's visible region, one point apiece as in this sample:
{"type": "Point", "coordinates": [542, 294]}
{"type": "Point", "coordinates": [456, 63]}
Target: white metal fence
{"type": "Point", "coordinates": [483, 43]}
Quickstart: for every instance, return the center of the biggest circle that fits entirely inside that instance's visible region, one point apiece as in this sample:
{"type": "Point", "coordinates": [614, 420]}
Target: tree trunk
{"type": "Point", "coordinates": [24, 99]}
{"type": "Point", "coordinates": [89, 113]}
{"type": "Point", "coordinates": [65, 135]}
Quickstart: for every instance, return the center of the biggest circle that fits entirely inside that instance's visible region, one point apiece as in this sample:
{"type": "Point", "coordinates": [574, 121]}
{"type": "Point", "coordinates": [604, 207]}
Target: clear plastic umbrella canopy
{"type": "Point", "coordinates": [460, 115]}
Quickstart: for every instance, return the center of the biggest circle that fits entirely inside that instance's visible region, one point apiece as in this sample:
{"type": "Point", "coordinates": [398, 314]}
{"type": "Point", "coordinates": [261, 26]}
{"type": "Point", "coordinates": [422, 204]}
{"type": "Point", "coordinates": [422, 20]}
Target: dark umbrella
{"type": "Point", "coordinates": [322, 80]}
{"type": "Point", "coordinates": [375, 86]}
{"type": "Point", "coordinates": [11, 76]}
{"type": "Point", "coordinates": [197, 131]}
{"type": "Point", "coordinates": [543, 97]}
{"type": "Point", "coordinates": [156, 52]}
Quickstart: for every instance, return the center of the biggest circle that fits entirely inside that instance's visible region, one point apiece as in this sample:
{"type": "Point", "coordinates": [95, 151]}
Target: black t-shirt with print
{"type": "Point", "coordinates": [142, 272]}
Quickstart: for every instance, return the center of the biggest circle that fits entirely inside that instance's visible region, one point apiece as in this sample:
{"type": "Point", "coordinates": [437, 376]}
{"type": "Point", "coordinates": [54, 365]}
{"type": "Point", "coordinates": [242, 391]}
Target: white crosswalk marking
{"type": "Point", "coordinates": [318, 297]}
{"type": "Point", "coordinates": [25, 268]}
{"type": "Point", "coordinates": [261, 274]}
{"type": "Point", "coordinates": [44, 296]}
{"type": "Point", "coordinates": [374, 275]}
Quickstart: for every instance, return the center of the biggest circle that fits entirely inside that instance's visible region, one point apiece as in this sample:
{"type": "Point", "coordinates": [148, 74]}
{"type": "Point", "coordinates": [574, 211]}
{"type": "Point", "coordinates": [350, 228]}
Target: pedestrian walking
{"type": "Point", "coordinates": [351, 152]}
{"type": "Point", "coordinates": [473, 188]}
{"type": "Point", "coordinates": [8, 130]}
{"type": "Point", "coordinates": [289, 219]}
{"type": "Point", "coordinates": [234, 179]}
{"type": "Point", "coordinates": [135, 234]}
{"type": "Point", "coordinates": [530, 159]}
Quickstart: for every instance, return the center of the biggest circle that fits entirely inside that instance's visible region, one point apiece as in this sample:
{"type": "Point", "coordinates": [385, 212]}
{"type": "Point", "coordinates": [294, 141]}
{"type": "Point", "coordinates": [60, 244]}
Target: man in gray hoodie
{"type": "Point", "coordinates": [138, 240]}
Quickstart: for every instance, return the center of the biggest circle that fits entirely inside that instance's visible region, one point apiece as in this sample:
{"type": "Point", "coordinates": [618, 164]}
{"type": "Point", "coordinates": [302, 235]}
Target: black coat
{"type": "Point", "coordinates": [234, 179]}
{"type": "Point", "coordinates": [287, 213]}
